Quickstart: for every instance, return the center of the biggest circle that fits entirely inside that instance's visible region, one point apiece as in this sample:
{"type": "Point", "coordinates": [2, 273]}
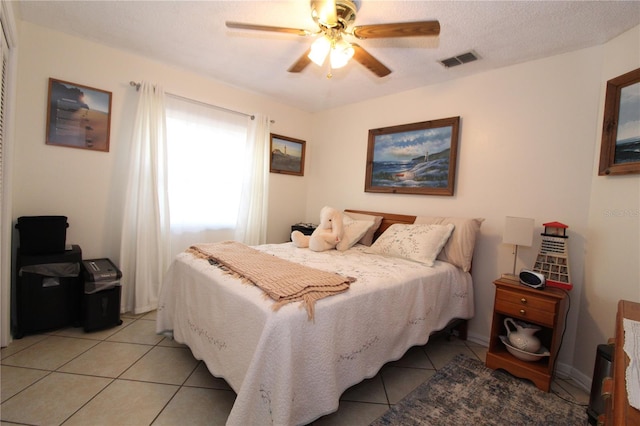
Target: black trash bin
{"type": "Point", "coordinates": [42, 234]}
{"type": "Point", "coordinates": [101, 299]}
{"type": "Point", "coordinates": [47, 291]}
{"type": "Point", "coordinates": [601, 370]}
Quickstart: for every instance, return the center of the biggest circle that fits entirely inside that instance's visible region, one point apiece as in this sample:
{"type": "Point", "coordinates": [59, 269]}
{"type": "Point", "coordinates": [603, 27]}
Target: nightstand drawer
{"type": "Point", "coordinates": [526, 313]}
{"type": "Point", "coordinates": [526, 300]}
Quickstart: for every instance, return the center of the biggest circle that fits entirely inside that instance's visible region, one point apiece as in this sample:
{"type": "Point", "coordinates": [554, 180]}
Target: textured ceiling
{"type": "Point", "coordinates": [193, 35]}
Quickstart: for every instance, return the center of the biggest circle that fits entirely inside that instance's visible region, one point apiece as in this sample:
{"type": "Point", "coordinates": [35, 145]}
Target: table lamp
{"type": "Point", "coordinates": [519, 232]}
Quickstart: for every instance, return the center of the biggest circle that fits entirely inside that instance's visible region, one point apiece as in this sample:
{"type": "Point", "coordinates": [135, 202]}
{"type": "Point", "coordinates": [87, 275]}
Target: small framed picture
{"type": "Point", "coordinates": [78, 116]}
{"type": "Point", "coordinates": [416, 158]}
{"type": "Point", "coordinates": [287, 155]}
{"type": "Point", "coordinates": [620, 149]}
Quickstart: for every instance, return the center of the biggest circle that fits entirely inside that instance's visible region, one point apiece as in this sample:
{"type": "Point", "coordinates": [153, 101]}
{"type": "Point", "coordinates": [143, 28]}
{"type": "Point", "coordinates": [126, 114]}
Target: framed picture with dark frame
{"type": "Point", "coordinates": [417, 158]}
{"type": "Point", "coordinates": [287, 155]}
{"type": "Point", "coordinates": [78, 116]}
{"type": "Point", "coordinates": [620, 149]}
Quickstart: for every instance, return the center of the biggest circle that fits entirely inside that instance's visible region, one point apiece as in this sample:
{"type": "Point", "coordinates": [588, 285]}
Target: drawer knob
{"type": "Point", "coordinates": [523, 312]}
{"type": "Point", "coordinates": [523, 300]}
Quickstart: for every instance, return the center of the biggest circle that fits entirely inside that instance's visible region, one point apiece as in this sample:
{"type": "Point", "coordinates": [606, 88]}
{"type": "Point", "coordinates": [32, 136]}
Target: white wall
{"type": "Point", "coordinates": [613, 249]}
{"type": "Point", "coordinates": [529, 139]}
{"type": "Point", "coordinates": [89, 187]}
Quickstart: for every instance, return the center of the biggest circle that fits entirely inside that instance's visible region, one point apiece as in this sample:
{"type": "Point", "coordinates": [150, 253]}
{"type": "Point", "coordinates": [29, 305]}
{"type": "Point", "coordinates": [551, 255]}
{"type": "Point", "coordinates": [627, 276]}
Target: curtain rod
{"type": "Point", "coordinates": [137, 86]}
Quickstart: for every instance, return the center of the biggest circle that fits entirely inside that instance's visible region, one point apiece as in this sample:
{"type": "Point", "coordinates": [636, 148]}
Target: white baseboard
{"type": "Point", "coordinates": [479, 339]}
{"type": "Point", "coordinates": [580, 379]}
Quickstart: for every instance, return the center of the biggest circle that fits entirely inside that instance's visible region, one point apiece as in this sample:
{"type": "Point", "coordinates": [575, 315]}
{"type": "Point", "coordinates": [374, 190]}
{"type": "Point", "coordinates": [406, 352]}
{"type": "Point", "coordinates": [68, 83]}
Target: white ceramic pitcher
{"type": "Point", "coordinates": [523, 337]}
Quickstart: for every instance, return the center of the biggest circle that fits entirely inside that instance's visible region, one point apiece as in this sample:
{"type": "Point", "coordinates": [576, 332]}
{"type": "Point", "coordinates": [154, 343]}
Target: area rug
{"type": "Point", "coordinates": [465, 392]}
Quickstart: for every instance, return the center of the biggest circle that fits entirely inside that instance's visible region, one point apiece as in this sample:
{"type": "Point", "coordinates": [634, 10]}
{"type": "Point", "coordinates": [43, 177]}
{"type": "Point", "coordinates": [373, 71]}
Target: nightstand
{"type": "Point", "coordinates": [545, 308]}
{"type": "Point", "coordinates": [305, 228]}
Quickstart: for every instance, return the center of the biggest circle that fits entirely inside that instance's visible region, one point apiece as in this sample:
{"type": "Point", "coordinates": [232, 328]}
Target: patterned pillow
{"type": "Point", "coordinates": [459, 249]}
{"type": "Point", "coordinates": [421, 243]}
{"type": "Point", "coordinates": [353, 231]}
{"type": "Point", "coordinates": [367, 238]}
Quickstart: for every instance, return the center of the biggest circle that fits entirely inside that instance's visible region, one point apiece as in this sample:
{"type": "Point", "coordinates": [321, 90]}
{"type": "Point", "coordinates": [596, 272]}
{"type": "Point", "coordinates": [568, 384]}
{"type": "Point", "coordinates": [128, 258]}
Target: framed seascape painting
{"type": "Point", "coordinates": [287, 155]}
{"type": "Point", "coordinates": [78, 116]}
{"type": "Point", "coordinates": [620, 149]}
{"type": "Point", "coordinates": [417, 158]}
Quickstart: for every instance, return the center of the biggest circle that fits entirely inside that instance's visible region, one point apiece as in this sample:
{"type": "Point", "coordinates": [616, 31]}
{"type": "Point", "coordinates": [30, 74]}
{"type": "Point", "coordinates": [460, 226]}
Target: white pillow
{"type": "Point", "coordinates": [421, 243]}
{"type": "Point", "coordinates": [367, 238]}
{"type": "Point", "coordinates": [459, 249]}
{"type": "Point", "coordinates": [353, 231]}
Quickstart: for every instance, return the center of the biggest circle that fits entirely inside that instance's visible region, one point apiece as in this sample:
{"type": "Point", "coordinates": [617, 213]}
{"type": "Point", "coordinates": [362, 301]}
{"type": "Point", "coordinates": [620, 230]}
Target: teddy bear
{"type": "Point", "coordinates": [326, 236]}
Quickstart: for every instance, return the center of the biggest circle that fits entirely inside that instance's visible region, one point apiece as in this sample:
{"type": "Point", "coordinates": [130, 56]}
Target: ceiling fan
{"type": "Point", "coordinates": [335, 19]}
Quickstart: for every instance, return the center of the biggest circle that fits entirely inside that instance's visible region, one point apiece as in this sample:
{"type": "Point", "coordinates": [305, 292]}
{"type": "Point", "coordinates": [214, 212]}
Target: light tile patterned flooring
{"type": "Point", "coordinates": [128, 375]}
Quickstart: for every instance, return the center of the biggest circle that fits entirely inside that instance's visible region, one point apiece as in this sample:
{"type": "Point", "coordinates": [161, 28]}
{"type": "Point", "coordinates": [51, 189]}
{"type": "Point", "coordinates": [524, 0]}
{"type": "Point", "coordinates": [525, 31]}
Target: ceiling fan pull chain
{"type": "Point", "coordinates": [333, 46]}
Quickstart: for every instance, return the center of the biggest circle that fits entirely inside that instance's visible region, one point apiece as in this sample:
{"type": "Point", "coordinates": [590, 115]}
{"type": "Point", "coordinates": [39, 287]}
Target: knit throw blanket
{"type": "Point", "coordinates": [283, 281]}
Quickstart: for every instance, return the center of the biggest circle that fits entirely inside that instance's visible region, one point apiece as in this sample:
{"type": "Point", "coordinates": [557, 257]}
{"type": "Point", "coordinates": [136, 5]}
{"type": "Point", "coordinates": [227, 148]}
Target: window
{"type": "Point", "coordinates": [205, 146]}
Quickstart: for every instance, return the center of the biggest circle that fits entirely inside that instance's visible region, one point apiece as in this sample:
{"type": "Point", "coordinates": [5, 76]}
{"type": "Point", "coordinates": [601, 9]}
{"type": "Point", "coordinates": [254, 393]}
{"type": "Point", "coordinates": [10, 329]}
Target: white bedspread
{"type": "Point", "coordinates": [287, 370]}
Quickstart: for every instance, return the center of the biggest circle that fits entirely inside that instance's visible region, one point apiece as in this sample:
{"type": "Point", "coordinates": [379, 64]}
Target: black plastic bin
{"type": "Point", "coordinates": [602, 369]}
{"type": "Point", "coordinates": [42, 234]}
{"type": "Point", "coordinates": [101, 298]}
{"type": "Point", "coordinates": [47, 292]}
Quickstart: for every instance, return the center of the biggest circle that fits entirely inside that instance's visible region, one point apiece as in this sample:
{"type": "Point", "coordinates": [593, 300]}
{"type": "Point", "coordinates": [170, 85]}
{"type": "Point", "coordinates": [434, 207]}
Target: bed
{"type": "Point", "coordinates": [288, 368]}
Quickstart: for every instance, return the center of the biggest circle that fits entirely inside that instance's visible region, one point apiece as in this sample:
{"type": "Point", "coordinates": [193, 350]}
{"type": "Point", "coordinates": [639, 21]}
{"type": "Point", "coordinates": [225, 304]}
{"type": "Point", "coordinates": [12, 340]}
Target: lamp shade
{"type": "Point", "coordinates": [518, 231]}
{"type": "Point", "coordinates": [319, 50]}
{"type": "Point", "coordinates": [341, 54]}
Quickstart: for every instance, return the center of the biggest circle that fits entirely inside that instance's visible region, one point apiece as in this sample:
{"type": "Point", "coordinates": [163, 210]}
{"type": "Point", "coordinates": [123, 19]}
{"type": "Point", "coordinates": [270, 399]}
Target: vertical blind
{"type": "Point", "coordinates": [5, 211]}
{"type": "Point", "coordinates": [4, 49]}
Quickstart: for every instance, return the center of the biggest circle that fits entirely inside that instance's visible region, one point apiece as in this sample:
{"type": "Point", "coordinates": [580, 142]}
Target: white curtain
{"type": "Point", "coordinates": [251, 227]}
{"type": "Point", "coordinates": [144, 250]}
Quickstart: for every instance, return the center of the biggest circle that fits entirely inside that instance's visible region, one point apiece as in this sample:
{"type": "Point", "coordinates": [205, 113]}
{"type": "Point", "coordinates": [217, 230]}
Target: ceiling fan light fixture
{"type": "Point", "coordinates": [335, 19]}
{"type": "Point", "coordinates": [319, 50]}
{"type": "Point", "coordinates": [340, 55]}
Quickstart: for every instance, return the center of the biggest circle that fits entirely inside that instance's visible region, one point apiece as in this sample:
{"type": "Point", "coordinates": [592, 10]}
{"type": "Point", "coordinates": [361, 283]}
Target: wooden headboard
{"type": "Point", "coordinates": [388, 219]}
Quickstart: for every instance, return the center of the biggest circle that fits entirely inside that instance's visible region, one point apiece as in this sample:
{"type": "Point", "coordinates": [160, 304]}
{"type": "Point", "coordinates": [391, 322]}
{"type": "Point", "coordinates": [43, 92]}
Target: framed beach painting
{"type": "Point", "coordinates": [287, 155]}
{"type": "Point", "coordinates": [620, 149]}
{"type": "Point", "coordinates": [78, 116]}
{"type": "Point", "coordinates": [417, 158]}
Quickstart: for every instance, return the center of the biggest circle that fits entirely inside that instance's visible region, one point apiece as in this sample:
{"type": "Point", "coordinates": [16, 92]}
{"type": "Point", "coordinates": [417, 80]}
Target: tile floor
{"type": "Point", "coordinates": [128, 375]}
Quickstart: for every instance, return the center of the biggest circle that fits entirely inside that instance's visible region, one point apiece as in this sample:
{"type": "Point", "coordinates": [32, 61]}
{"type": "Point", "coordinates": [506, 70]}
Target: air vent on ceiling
{"type": "Point", "coordinates": [463, 58]}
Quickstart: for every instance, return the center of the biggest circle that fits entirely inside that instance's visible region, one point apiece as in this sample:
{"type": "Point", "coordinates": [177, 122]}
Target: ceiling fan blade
{"type": "Point", "coordinates": [242, 26]}
{"type": "Point", "coordinates": [366, 59]}
{"type": "Point", "coordinates": [324, 11]}
{"type": "Point", "coordinates": [301, 63]}
{"type": "Point", "coordinates": [406, 29]}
